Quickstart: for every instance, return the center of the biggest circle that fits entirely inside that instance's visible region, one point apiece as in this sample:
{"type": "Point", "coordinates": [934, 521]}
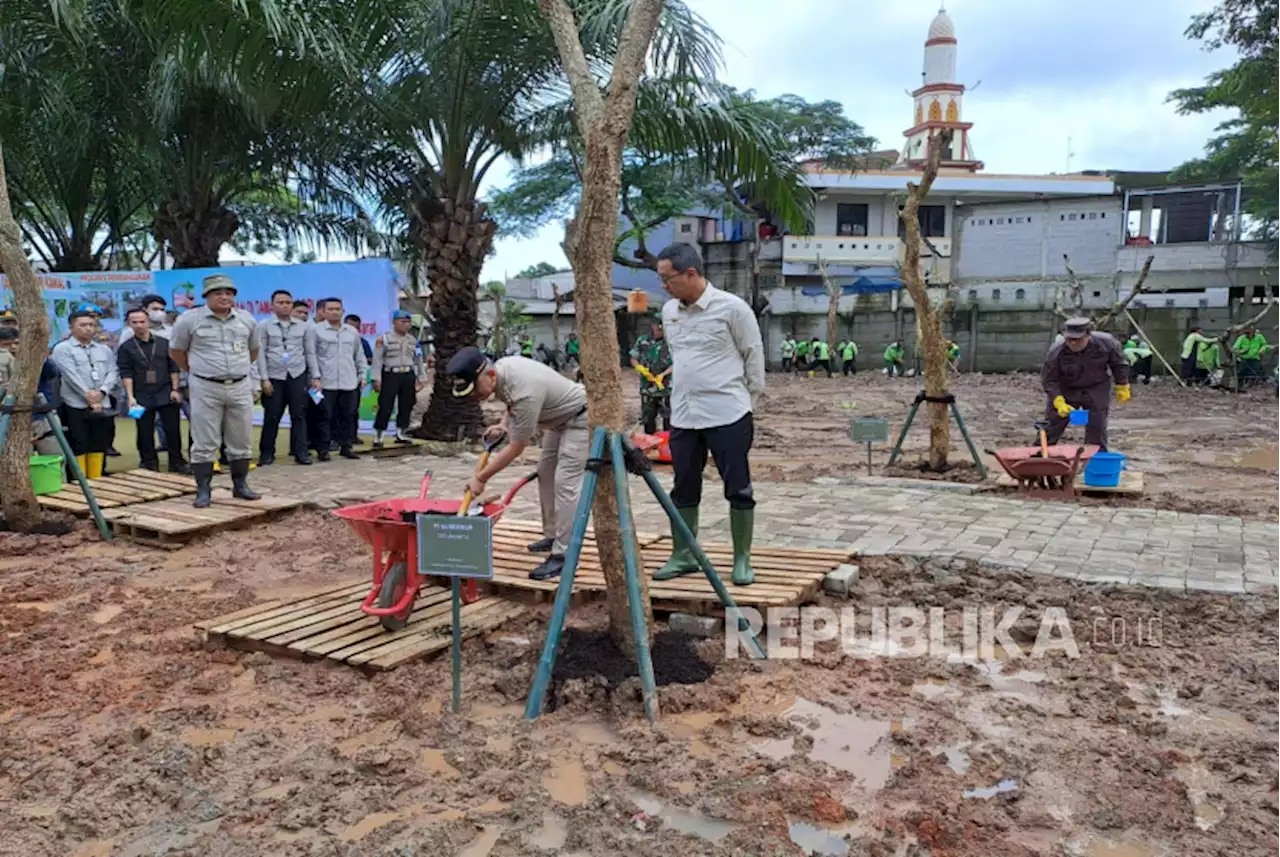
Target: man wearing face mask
{"type": "Point", "coordinates": [157, 319]}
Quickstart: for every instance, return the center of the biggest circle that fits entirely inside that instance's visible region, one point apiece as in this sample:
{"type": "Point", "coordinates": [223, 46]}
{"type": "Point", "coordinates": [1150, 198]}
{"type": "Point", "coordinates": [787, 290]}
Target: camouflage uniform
{"type": "Point", "coordinates": [654, 354]}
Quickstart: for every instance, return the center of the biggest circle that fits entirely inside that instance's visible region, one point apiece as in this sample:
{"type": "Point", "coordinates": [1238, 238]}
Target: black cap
{"type": "Point", "coordinates": [1077, 328]}
{"type": "Point", "coordinates": [8, 333]}
{"type": "Point", "coordinates": [465, 367]}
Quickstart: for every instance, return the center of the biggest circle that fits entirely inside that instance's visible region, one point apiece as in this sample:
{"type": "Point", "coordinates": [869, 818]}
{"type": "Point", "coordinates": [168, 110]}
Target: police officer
{"type": "Point", "coordinates": [397, 376]}
{"type": "Point", "coordinates": [282, 368]}
{"type": "Point", "coordinates": [218, 345]}
{"type": "Point", "coordinates": [651, 358]}
{"type": "Point", "coordinates": [537, 397]}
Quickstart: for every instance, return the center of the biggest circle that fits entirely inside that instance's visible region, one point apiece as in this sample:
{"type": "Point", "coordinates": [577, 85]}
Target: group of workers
{"type": "Point", "coordinates": [212, 365]}
{"type": "Point", "coordinates": [707, 355]}
{"type": "Point", "coordinates": [1203, 360]}
{"type": "Point", "coordinates": [815, 354]}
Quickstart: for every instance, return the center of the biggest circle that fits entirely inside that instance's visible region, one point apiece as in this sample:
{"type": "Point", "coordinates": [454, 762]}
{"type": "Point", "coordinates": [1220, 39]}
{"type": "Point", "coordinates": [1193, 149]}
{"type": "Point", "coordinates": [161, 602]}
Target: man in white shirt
{"type": "Point", "coordinates": [337, 365]}
{"type": "Point", "coordinates": [717, 376]}
{"type": "Point", "coordinates": [89, 378]}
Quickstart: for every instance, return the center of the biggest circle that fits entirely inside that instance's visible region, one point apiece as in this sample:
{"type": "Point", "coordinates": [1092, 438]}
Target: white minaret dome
{"type": "Point", "coordinates": [942, 28]}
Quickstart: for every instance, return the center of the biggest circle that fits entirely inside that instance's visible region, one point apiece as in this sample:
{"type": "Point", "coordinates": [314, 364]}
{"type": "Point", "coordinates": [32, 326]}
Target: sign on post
{"type": "Point", "coordinates": [450, 546]}
{"type": "Point", "coordinates": [869, 430]}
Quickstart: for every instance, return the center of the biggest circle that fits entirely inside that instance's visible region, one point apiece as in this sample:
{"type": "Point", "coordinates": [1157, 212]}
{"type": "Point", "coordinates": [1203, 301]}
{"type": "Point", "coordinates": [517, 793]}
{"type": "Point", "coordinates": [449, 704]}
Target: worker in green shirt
{"type": "Point", "coordinates": [526, 346]}
{"type": "Point", "coordinates": [1138, 356]}
{"type": "Point", "coordinates": [1191, 347]}
{"type": "Point", "coordinates": [1250, 347]}
{"type": "Point", "coordinates": [802, 355]}
{"type": "Point", "coordinates": [848, 352]}
{"type": "Point", "coordinates": [953, 356]}
{"type": "Point", "coordinates": [1208, 362]}
{"type": "Point", "coordinates": [893, 359]}
{"type": "Point", "coordinates": [788, 352]}
{"type": "Point", "coordinates": [821, 352]}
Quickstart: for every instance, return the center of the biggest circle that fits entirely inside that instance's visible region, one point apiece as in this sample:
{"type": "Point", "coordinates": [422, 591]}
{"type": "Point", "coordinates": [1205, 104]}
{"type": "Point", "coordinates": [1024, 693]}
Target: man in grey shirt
{"type": "Point", "coordinates": [88, 378]}
{"type": "Point", "coordinates": [537, 397]}
{"type": "Point", "coordinates": [337, 370]}
{"type": "Point", "coordinates": [283, 370]}
{"type": "Point", "coordinates": [218, 345]}
{"type": "Point", "coordinates": [717, 360]}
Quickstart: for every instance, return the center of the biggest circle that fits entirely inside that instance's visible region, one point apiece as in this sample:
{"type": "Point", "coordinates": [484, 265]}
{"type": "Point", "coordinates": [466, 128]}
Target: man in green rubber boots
{"type": "Point", "coordinates": [718, 374]}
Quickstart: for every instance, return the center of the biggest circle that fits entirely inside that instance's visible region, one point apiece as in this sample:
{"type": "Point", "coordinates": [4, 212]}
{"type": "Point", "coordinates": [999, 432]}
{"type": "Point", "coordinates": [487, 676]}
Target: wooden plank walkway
{"type": "Point", "coordinates": [175, 520]}
{"type": "Point", "coordinates": [784, 576]}
{"type": "Point", "coordinates": [390, 448]}
{"type": "Point", "coordinates": [1131, 484]}
{"type": "Point", "coordinates": [328, 624]}
{"type": "Point", "coordinates": [120, 489]}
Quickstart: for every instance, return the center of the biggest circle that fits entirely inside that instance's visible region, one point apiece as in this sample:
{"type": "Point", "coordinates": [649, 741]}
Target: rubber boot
{"type": "Point", "coordinates": [742, 524]}
{"type": "Point", "coordinates": [204, 483]}
{"type": "Point", "coordinates": [240, 480]}
{"type": "Point", "coordinates": [83, 461]}
{"type": "Point", "coordinates": [95, 461]}
{"type": "Point", "coordinates": [682, 561]}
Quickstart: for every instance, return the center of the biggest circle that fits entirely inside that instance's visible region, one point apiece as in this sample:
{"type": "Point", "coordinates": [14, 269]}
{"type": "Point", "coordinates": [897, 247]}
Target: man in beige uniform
{"type": "Point", "coordinates": [218, 345]}
{"type": "Point", "coordinates": [537, 397]}
{"type": "Point", "coordinates": [397, 376]}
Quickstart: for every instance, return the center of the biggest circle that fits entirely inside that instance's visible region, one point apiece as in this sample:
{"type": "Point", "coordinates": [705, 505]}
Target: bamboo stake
{"type": "Point", "coordinates": [1152, 346]}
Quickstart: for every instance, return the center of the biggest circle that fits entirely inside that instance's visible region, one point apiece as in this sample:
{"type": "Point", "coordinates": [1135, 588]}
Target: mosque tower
{"type": "Point", "coordinates": [938, 104]}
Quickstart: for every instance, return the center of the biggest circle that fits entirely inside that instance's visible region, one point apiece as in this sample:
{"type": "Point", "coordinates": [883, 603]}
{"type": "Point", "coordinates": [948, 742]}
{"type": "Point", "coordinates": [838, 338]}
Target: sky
{"type": "Point", "coordinates": [1038, 73]}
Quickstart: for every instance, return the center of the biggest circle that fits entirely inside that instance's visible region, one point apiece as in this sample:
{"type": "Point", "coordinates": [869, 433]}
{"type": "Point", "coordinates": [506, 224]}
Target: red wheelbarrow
{"type": "Point", "coordinates": [390, 528]}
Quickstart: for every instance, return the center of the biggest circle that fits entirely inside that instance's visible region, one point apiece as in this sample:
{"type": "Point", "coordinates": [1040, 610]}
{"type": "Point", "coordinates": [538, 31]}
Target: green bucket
{"type": "Point", "coordinates": [46, 474]}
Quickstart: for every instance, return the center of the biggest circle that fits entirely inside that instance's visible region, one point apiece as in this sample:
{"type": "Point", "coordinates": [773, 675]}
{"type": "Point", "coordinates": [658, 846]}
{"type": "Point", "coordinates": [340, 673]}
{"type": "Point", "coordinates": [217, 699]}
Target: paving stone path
{"type": "Point", "coordinates": [1174, 550]}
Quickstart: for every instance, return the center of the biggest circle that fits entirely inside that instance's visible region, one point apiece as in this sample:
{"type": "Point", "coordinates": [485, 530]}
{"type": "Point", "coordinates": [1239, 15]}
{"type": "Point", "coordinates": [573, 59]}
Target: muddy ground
{"type": "Point", "coordinates": [122, 734]}
{"type": "Point", "coordinates": [1199, 450]}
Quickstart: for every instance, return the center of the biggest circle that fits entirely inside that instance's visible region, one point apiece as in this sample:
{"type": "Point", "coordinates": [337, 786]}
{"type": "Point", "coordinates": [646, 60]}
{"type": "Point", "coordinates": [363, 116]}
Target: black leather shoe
{"type": "Point", "coordinates": [551, 567]}
{"type": "Point", "coordinates": [348, 452]}
{"type": "Point", "coordinates": [304, 461]}
{"type": "Point", "coordinates": [541, 546]}
{"type": "Point", "coordinates": [266, 460]}
{"type": "Point", "coordinates": [323, 456]}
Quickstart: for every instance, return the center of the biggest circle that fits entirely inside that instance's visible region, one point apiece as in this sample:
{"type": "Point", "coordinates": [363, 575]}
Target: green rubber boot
{"type": "Point", "coordinates": [682, 561]}
{"type": "Point", "coordinates": [742, 523]}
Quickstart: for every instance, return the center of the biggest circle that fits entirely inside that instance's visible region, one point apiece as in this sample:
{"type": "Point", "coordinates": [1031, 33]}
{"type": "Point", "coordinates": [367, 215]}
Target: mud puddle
{"type": "Point", "coordinates": [710, 829]}
{"type": "Point", "coordinates": [848, 742]}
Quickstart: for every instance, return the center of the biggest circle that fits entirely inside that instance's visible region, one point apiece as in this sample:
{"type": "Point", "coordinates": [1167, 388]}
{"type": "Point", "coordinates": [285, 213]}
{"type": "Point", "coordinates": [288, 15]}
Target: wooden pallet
{"type": "Point", "coordinates": [1131, 484]}
{"type": "Point", "coordinates": [328, 624]}
{"type": "Point", "coordinates": [390, 448]}
{"type": "Point", "coordinates": [120, 489]}
{"type": "Point", "coordinates": [784, 576]}
{"type": "Point", "coordinates": [175, 520]}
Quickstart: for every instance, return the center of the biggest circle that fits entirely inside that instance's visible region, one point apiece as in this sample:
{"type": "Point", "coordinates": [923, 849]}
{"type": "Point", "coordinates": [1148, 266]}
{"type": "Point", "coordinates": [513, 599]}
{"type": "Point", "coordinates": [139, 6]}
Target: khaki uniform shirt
{"type": "Point", "coordinates": [217, 348]}
{"type": "Point", "coordinates": [393, 351]}
{"type": "Point", "coordinates": [536, 396]}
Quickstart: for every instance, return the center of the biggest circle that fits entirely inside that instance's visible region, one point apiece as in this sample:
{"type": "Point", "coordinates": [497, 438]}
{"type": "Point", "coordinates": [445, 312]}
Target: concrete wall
{"type": "Point", "coordinates": [882, 211]}
{"type": "Point", "coordinates": [1027, 240]}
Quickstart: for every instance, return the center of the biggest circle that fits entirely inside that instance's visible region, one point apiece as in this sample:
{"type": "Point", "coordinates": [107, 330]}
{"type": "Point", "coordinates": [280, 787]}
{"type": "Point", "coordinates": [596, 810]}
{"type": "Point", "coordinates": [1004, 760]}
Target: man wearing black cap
{"type": "Point", "coordinates": [537, 397]}
{"type": "Point", "coordinates": [397, 376]}
{"type": "Point", "coordinates": [1077, 373]}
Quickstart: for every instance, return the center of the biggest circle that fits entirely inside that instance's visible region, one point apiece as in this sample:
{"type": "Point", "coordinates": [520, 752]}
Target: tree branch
{"type": "Point", "coordinates": [587, 100]}
{"type": "Point", "coordinates": [1122, 306]}
{"type": "Point", "coordinates": [628, 64]}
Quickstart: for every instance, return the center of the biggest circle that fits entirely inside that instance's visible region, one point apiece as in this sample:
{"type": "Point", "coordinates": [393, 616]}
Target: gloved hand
{"type": "Point", "coordinates": [1060, 405]}
{"type": "Point", "coordinates": [1123, 393]}
{"type": "Point", "coordinates": [643, 372]}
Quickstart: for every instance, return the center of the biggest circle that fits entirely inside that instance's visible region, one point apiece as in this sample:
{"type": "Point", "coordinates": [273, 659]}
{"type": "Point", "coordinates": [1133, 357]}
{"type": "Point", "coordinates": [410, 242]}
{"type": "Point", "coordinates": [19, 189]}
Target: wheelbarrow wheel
{"type": "Point", "coordinates": [393, 583]}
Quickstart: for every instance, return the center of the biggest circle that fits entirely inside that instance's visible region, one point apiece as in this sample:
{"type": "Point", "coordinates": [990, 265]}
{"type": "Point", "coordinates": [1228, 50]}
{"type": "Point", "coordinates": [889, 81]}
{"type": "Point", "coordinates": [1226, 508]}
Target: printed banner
{"type": "Point", "coordinates": [368, 288]}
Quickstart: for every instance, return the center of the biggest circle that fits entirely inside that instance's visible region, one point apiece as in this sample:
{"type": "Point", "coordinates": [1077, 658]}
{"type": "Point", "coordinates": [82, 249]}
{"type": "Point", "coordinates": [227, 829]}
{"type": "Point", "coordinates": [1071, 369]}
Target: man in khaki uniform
{"type": "Point", "coordinates": [537, 397]}
{"type": "Point", "coordinates": [218, 345]}
{"type": "Point", "coordinates": [397, 376]}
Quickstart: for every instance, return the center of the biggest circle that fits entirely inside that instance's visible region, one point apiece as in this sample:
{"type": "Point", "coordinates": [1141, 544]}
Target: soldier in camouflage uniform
{"type": "Point", "coordinates": [651, 358]}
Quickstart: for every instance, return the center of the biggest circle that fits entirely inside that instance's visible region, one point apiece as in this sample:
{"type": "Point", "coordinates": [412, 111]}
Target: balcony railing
{"type": "Point", "coordinates": [868, 249]}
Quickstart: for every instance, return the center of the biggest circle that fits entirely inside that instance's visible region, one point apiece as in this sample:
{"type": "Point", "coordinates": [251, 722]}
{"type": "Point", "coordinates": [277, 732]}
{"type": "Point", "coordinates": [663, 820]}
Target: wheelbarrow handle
{"type": "Point", "coordinates": [426, 485]}
{"type": "Point", "coordinates": [511, 495]}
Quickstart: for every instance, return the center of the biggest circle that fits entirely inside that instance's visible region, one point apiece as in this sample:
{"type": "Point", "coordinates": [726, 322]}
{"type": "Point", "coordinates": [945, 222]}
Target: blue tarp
{"type": "Point", "coordinates": [866, 284]}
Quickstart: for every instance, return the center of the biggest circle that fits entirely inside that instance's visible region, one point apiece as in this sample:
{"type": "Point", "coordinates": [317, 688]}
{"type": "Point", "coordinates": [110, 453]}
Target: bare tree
{"type": "Point", "coordinates": [21, 511]}
{"type": "Point", "coordinates": [1075, 292]}
{"type": "Point", "coordinates": [928, 319]}
{"type": "Point", "coordinates": [558, 300]}
{"type": "Point", "coordinates": [604, 122]}
{"type": "Point", "coordinates": [833, 303]}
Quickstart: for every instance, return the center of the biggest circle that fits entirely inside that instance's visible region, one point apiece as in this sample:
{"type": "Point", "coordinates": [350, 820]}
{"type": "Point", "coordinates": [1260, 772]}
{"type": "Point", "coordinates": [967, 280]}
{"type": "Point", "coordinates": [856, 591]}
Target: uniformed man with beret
{"type": "Point", "coordinates": [218, 345]}
{"type": "Point", "coordinates": [397, 376]}
{"type": "Point", "coordinates": [1078, 373]}
{"type": "Point", "coordinates": [537, 397]}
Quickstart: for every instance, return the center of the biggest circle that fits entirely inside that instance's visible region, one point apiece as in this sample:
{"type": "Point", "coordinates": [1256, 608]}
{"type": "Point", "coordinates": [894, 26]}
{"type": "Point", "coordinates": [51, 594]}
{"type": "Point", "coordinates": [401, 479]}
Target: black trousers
{"type": "Point", "coordinates": [337, 421]}
{"type": "Point", "coordinates": [653, 407]}
{"type": "Point", "coordinates": [822, 364]}
{"type": "Point", "coordinates": [315, 415]}
{"type": "Point", "coordinates": [399, 392]}
{"type": "Point", "coordinates": [850, 367]}
{"type": "Point", "coordinates": [1142, 366]}
{"type": "Point", "coordinates": [729, 446]}
{"type": "Point", "coordinates": [86, 432]}
{"type": "Point", "coordinates": [786, 364]}
{"type": "Point", "coordinates": [291, 394]}
{"type": "Point", "coordinates": [170, 420]}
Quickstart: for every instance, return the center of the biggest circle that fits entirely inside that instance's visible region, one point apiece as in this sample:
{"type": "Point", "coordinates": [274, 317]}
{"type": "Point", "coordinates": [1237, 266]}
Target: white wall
{"type": "Point", "coordinates": [882, 212]}
{"type": "Point", "coordinates": [1029, 239]}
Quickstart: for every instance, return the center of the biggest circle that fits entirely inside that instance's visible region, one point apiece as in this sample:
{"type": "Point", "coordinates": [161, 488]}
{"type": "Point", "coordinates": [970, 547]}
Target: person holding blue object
{"type": "Point", "coordinates": [1078, 373]}
{"type": "Point", "coordinates": [150, 379]}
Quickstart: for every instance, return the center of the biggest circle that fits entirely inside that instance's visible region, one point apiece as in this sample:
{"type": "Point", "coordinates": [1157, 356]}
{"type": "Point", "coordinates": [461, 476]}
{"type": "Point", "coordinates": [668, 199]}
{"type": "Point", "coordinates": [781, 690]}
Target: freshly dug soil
{"type": "Point", "coordinates": [594, 658]}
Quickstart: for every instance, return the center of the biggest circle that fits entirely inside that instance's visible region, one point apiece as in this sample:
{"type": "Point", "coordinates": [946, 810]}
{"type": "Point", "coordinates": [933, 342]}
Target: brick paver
{"type": "Point", "coordinates": [1161, 548]}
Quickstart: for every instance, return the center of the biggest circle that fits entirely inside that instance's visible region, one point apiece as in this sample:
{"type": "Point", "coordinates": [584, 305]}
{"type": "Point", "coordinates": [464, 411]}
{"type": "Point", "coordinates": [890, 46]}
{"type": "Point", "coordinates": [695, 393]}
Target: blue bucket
{"type": "Point", "coordinates": [1103, 469]}
{"type": "Point", "coordinates": [1078, 418]}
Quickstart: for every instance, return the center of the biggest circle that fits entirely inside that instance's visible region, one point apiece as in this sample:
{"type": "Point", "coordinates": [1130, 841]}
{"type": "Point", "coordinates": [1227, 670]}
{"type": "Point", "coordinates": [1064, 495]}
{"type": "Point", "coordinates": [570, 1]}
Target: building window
{"type": "Point", "coordinates": [1071, 217]}
{"type": "Point", "coordinates": [1020, 295]}
{"type": "Point", "coordinates": [953, 112]}
{"type": "Point", "coordinates": [995, 294]}
{"type": "Point", "coordinates": [933, 222]}
{"type": "Point", "coordinates": [935, 111]}
{"type": "Point", "coordinates": [1028, 220]}
{"type": "Point", "coordinates": [1062, 217]}
{"type": "Point", "coordinates": [686, 227]}
{"type": "Point", "coordinates": [851, 218]}
{"type": "Point", "coordinates": [973, 296]}
{"type": "Point", "coordinates": [1097, 294]}
{"type": "Point", "coordinates": [999, 221]}
{"type": "Point", "coordinates": [1102, 216]}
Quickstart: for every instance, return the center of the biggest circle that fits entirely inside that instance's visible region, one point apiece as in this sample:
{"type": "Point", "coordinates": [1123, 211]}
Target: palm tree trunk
{"type": "Point", "coordinates": [195, 238]}
{"type": "Point", "coordinates": [21, 511]}
{"type": "Point", "coordinates": [928, 321]}
{"type": "Point", "coordinates": [457, 239]}
{"type": "Point", "coordinates": [604, 122]}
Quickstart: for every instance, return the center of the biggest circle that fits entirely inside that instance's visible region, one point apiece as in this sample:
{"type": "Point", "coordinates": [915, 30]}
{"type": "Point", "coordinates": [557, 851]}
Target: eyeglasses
{"type": "Point", "coordinates": [669, 277]}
